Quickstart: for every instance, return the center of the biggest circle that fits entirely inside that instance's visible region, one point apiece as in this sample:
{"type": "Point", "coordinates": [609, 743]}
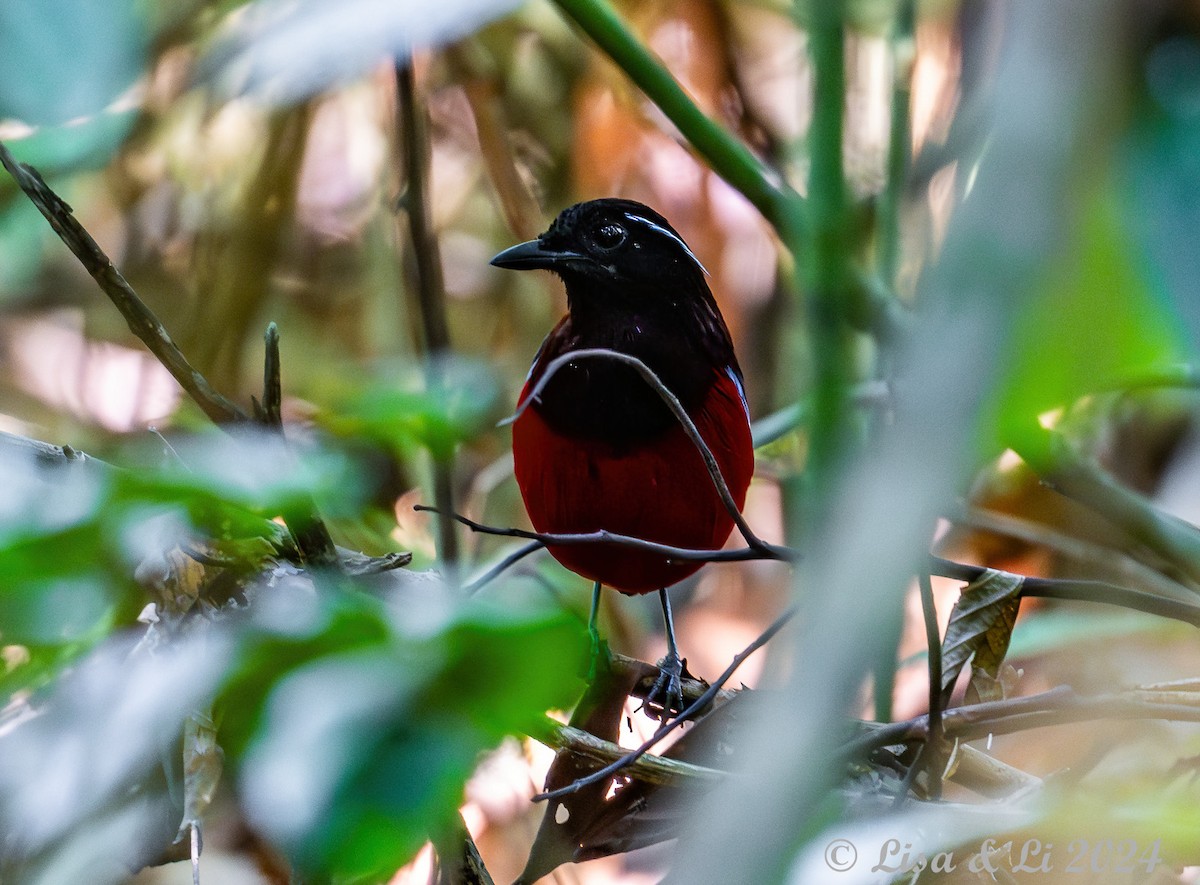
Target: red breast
{"type": "Point", "coordinates": [598, 449]}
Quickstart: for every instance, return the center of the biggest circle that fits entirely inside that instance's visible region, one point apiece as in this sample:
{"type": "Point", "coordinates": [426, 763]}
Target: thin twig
{"type": "Point", "coordinates": [194, 848]}
{"type": "Point", "coordinates": [1059, 706]}
{"type": "Point", "coordinates": [431, 292]}
{"type": "Point", "coordinates": [672, 402]}
{"type": "Point", "coordinates": [933, 641]}
{"type": "Point", "coordinates": [1082, 591]}
{"type": "Point", "coordinates": [667, 727]}
{"type": "Point", "coordinates": [496, 570]}
{"type": "Point", "coordinates": [142, 321]}
{"type": "Point", "coordinates": [741, 554]}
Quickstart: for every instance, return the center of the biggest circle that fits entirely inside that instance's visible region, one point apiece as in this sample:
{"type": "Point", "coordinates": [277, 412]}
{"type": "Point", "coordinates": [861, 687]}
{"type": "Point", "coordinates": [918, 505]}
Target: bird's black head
{"type": "Point", "coordinates": [620, 245]}
{"type": "Point", "coordinates": [633, 286]}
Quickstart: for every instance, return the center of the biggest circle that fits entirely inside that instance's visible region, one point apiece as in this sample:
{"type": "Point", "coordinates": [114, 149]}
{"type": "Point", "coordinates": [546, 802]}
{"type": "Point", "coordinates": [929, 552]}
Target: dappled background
{"type": "Point", "coordinates": [1035, 184]}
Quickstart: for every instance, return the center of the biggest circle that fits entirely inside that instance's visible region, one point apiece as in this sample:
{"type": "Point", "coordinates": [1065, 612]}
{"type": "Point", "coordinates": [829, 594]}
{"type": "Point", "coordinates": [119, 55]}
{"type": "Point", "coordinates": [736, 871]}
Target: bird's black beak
{"type": "Point", "coordinates": [534, 255]}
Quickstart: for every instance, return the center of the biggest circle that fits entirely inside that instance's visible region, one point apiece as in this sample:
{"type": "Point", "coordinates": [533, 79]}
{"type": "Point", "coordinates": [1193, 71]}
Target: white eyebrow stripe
{"type": "Point", "coordinates": [674, 236]}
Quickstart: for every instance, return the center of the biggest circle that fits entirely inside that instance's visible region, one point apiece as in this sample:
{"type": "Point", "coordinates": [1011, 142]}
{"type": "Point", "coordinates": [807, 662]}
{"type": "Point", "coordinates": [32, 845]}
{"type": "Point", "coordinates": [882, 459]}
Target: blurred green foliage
{"type": "Point", "coordinates": [351, 715]}
{"type": "Point", "coordinates": [353, 712]}
{"type": "Point", "coordinates": [1103, 321]}
{"type": "Point", "coordinates": [412, 409]}
{"type": "Point", "coordinates": [356, 725]}
{"type": "Point", "coordinates": [64, 59]}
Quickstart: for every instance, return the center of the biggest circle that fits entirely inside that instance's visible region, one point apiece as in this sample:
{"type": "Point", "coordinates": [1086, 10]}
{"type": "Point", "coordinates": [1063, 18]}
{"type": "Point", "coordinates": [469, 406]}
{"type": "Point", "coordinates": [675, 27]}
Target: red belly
{"type": "Point", "coordinates": [659, 492]}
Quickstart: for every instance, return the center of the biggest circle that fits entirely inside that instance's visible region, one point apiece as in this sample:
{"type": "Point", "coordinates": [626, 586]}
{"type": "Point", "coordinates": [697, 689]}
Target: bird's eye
{"type": "Point", "coordinates": [610, 236]}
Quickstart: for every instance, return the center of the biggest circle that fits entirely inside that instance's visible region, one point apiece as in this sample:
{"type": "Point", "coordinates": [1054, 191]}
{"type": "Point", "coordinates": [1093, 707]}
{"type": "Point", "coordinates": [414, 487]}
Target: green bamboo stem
{"type": "Point", "coordinates": [828, 273]}
{"type": "Point", "coordinates": [899, 142]}
{"type": "Point", "coordinates": [727, 155]}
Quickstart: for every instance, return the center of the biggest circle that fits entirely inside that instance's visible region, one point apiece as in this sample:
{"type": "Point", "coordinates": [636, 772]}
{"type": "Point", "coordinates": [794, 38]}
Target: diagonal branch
{"type": "Point", "coordinates": [727, 156]}
{"type": "Point", "coordinates": [311, 535]}
{"type": "Point", "coordinates": [142, 321]}
{"type": "Point", "coordinates": [672, 402]}
{"type": "Point", "coordinates": [499, 568]}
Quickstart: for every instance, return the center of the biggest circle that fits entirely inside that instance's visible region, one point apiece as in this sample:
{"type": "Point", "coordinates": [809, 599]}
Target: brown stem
{"type": "Point", "coordinates": [431, 294]}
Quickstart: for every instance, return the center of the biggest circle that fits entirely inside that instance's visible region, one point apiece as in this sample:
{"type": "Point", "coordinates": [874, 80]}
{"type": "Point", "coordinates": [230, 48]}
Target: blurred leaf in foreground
{"type": "Point", "coordinates": [78, 794]}
{"type": "Point", "coordinates": [282, 51]}
{"type": "Point", "coordinates": [356, 724]}
{"type": "Point", "coordinates": [1101, 321]}
{"type": "Point", "coordinates": [61, 59]}
{"type": "Point", "coordinates": [436, 410]}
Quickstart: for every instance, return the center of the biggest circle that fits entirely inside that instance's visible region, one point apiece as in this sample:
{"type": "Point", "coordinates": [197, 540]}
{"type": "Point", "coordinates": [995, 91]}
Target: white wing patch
{"type": "Point", "coordinates": [669, 234]}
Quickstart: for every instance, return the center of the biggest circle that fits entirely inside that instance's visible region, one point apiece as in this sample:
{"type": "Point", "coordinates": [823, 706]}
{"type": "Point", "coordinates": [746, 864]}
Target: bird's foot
{"type": "Point", "coordinates": [666, 695]}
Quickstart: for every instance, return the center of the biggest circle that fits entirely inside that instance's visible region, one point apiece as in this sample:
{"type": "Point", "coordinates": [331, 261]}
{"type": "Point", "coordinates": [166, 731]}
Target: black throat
{"type": "Point", "coordinates": [682, 338]}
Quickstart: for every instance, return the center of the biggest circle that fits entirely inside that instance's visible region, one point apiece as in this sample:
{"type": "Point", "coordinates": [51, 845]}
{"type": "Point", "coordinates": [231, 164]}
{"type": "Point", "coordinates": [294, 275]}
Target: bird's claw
{"type": "Point", "coordinates": [667, 692]}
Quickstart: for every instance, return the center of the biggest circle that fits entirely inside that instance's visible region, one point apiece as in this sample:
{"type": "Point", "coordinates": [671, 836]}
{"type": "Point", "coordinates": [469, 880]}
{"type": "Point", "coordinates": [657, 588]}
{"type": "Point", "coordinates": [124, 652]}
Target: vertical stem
{"type": "Point", "coordinates": [933, 642]}
{"type": "Point", "coordinates": [828, 271]}
{"type": "Point", "coordinates": [308, 531]}
{"type": "Point", "coordinates": [272, 401]}
{"type": "Point", "coordinates": [414, 136]}
{"type": "Point", "coordinates": [891, 201]}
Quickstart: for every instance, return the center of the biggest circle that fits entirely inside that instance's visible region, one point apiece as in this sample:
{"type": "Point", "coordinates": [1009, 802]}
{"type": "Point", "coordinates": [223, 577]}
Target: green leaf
{"type": "Point", "coordinates": [1099, 322]}
{"type": "Point", "coordinates": [75, 146]}
{"type": "Point", "coordinates": [231, 486]}
{"type": "Point", "coordinates": [61, 59]}
{"type": "Point", "coordinates": [54, 588]}
{"type": "Point", "coordinates": [981, 626]}
{"type": "Point", "coordinates": [356, 728]}
{"type": "Point", "coordinates": [434, 409]}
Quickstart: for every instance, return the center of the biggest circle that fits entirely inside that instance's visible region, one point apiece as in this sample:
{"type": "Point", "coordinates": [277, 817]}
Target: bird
{"type": "Point", "coordinates": [596, 447]}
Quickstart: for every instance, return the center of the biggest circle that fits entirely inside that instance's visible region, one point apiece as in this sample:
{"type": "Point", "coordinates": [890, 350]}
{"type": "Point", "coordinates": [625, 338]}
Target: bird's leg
{"type": "Point", "coordinates": [668, 686]}
{"type": "Point", "coordinates": [599, 652]}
